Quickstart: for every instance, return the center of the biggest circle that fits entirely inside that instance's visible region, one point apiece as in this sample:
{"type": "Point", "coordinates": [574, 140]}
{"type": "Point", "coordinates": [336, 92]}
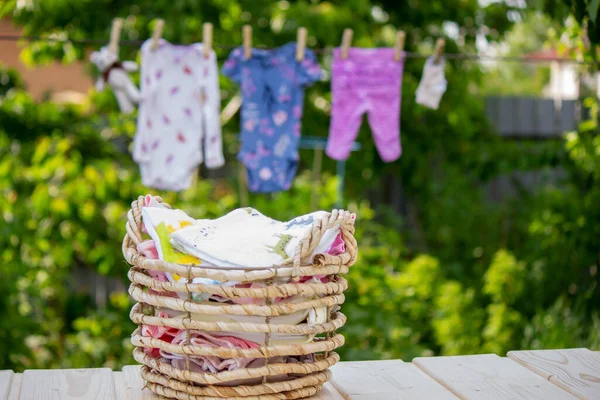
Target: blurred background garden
{"type": "Point", "coordinates": [472, 242]}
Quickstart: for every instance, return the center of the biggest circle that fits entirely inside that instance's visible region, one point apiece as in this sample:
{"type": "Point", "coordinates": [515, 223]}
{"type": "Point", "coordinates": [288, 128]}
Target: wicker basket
{"type": "Point", "coordinates": [301, 379]}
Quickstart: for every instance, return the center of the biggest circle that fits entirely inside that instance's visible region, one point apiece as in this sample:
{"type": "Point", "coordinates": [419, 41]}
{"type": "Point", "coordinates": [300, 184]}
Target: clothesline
{"type": "Point", "coordinates": [269, 163]}
{"type": "Point", "coordinates": [413, 55]}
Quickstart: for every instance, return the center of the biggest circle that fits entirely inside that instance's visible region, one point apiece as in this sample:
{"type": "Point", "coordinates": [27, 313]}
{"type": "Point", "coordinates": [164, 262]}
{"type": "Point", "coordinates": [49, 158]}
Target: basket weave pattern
{"type": "Point", "coordinates": [274, 379]}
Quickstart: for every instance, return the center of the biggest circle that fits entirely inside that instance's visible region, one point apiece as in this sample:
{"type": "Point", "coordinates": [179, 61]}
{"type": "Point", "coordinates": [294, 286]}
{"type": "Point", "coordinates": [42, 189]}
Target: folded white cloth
{"type": "Point", "coordinates": [433, 83]}
{"type": "Point", "coordinates": [160, 222]}
{"type": "Point", "coordinates": [247, 239]}
{"type": "Point", "coordinates": [242, 239]}
{"type": "Point", "coordinates": [312, 316]}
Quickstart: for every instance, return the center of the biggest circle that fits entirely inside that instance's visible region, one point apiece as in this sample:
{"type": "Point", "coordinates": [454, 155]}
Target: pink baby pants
{"type": "Point", "coordinates": [368, 80]}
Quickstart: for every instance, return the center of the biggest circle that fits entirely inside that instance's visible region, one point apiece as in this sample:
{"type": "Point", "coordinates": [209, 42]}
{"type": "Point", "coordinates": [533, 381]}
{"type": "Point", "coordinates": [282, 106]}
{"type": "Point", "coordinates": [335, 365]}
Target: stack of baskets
{"type": "Point", "coordinates": [301, 379]}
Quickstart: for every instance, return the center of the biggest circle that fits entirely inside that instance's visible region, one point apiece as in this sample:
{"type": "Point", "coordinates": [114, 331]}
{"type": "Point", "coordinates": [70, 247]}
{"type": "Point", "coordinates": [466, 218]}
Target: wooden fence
{"type": "Point", "coordinates": [532, 118]}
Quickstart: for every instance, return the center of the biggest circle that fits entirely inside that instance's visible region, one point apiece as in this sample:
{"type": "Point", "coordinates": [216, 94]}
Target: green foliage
{"type": "Point", "coordinates": [562, 326]}
{"type": "Point", "coordinates": [457, 273]}
{"type": "Point", "coordinates": [505, 278]}
{"type": "Point", "coordinates": [585, 13]}
{"type": "Point", "coordinates": [458, 319]}
{"type": "Point", "coordinates": [102, 338]}
{"type": "Point", "coordinates": [534, 33]}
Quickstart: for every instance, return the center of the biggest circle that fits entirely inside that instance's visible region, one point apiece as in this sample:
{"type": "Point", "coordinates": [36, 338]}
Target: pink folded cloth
{"type": "Point", "coordinates": [211, 363]}
{"type": "Point", "coordinates": [148, 250]}
{"type": "Point", "coordinates": [338, 246]}
{"type": "Point", "coordinates": [164, 333]}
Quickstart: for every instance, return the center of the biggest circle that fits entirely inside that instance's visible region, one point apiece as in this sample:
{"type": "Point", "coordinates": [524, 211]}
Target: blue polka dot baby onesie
{"type": "Point", "coordinates": [272, 84]}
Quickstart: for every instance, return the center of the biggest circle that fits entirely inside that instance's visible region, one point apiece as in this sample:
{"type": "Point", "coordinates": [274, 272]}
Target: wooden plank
{"type": "Point", "coordinates": [68, 384]}
{"type": "Point", "coordinates": [492, 110]}
{"type": "Point", "coordinates": [327, 393]}
{"type": "Point", "coordinates": [487, 377]}
{"type": "Point", "coordinates": [527, 116]}
{"type": "Point", "coordinates": [547, 118]}
{"type": "Point", "coordinates": [134, 384]}
{"type": "Point", "coordinates": [575, 370]}
{"type": "Point", "coordinates": [568, 121]}
{"type": "Point", "coordinates": [507, 121]}
{"type": "Point", "coordinates": [6, 378]}
{"type": "Point", "coordinates": [385, 380]}
{"type": "Point", "coordinates": [120, 388]}
{"type": "Point", "coordinates": [15, 388]}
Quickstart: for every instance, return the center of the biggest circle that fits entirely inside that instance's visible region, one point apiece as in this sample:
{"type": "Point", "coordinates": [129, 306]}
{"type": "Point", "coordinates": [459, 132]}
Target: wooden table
{"type": "Point", "coordinates": [543, 374]}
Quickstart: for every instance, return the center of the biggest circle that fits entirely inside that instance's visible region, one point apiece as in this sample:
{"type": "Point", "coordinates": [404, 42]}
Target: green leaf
{"type": "Point", "coordinates": [593, 10]}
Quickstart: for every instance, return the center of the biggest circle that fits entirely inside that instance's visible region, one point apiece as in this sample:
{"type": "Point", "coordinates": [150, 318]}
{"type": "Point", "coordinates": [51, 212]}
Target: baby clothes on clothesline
{"type": "Point", "coordinates": [433, 84]}
{"type": "Point", "coordinates": [368, 80]}
{"type": "Point", "coordinates": [115, 73]}
{"type": "Point", "coordinates": [272, 84]}
{"type": "Point", "coordinates": [180, 107]}
{"type": "Point", "coordinates": [179, 110]}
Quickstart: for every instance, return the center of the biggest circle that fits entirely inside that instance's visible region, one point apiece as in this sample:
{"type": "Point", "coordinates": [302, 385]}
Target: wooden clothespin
{"type": "Point", "coordinates": [439, 50]}
{"type": "Point", "coordinates": [346, 42]}
{"type": "Point", "coordinates": [301, 43]}
{"type": "Point", "coordinates": [399, 46]}
{"type": "Point", "coordinates": [115, 34]}
{"type": "Point", "coordinates": [247, 35]}
{"type": "Point", "coordinates": [207, 37]}
{"type": "Point", "coordinates": [156, 35]}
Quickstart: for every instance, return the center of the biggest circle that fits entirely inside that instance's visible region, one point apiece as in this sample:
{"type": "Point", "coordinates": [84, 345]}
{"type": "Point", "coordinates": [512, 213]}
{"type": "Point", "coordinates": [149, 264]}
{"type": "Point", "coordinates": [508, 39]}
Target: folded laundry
{"type": "Point", "coordinates": [215, 364]}
{"type": "Point", "coordinates": [287, 319]}
{"type": "Point", "coordinates": [260, 242]}
{"type": "Point", "coordinates": [211, 363]}
{"type": "Point", "coordinates": [314, 316]}
{"type": "Point", "coordinates": [148, 249]}
{"type": "Point", "coordinates": [160, 222]}
{"type": "Point", "coordinates": [198, 338]}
